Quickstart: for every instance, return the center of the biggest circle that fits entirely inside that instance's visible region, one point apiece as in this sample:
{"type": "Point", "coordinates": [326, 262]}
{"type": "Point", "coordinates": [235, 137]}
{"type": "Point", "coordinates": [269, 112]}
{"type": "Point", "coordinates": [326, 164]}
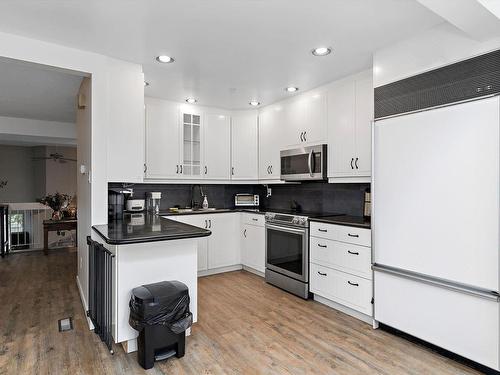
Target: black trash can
{"type": "Point", "coordinates": [160, 312]}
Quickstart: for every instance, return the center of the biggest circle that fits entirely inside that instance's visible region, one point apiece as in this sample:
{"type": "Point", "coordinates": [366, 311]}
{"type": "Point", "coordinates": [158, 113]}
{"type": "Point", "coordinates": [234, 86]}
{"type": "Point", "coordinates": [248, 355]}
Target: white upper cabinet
{"type": "Point", "coordinates": [191, 129]}
{"type": "Point", "coordinates": [306, 119]}
{"type": "Point", "coordinates": [217, 146]}
{"type": "Point", "coordinates": [162, 139]}
{"type": "Point", "coordinates": [271, 138]}
{"type": "Point", "coordinates": [350, 113]}
{"type": "Point", "coordinates": [244, 145]}
{"type": "Point", "coordinates": [125, 128]}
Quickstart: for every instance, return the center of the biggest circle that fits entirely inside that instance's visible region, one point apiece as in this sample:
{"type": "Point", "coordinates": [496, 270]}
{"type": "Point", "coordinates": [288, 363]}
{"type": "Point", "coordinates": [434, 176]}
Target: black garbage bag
{"type": "Point", "coordinates": [164, 303]}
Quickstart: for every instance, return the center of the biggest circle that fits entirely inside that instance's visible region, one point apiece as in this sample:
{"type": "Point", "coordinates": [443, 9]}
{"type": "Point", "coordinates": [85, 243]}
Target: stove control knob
{"type": "Point", "coordinates": [302, 221]}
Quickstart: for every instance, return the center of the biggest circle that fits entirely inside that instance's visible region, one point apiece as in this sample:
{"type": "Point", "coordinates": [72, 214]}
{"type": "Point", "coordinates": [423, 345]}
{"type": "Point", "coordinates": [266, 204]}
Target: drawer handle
{"type": "Point", "coordinates": [320, 245]}
{"type": "Point", "coordinates": [353, 252]}
{"type": "Point", "coordinates": [353, 284]}
{"type": "Point", "coordinates": [254, 219]}
{"type": "Point", "coordinates": [353, 235]}
{"type": "Point", "coordinates": [322, 230]}
{"type": "Point", "coordinates": [322, 274]}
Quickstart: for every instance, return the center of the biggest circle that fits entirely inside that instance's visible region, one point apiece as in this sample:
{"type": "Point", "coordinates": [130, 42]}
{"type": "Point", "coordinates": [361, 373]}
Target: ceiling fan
{"type": "Point", "coordinates": [55, 157]}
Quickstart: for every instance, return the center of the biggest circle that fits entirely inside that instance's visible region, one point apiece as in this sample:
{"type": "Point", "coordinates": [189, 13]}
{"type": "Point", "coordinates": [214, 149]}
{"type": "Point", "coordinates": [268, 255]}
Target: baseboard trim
{"type": "Point", "coordinates": [84, 303]}
{"type": "Point", "coordinates": [254, 271]}
{"type": "Point", "coordinates": [346, 310]}
{"type": "Point", "coordinates": [215, 271]}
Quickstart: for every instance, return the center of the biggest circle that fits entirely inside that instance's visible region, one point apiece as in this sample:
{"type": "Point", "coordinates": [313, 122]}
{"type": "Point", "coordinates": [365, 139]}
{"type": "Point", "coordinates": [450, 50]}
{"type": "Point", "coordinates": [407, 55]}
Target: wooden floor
{"type": "Point", "coordinates": [244, 327]}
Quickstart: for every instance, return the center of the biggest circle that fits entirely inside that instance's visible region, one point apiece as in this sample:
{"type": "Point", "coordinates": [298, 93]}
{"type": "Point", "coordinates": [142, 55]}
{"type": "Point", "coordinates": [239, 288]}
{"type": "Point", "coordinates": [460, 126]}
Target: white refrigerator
{"type": "Point", "coordinates": [436, 195]}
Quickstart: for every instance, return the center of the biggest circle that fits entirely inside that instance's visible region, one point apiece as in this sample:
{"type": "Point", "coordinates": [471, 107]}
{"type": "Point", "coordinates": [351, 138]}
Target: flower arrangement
{"type": "Point", "coordinates": [57, 202]}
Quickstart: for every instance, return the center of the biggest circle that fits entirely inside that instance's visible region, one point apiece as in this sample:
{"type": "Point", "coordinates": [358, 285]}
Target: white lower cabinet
{"type": "Point", "coordinates": [221, 248]}
{"type": "Point", "coordinates": [340, 271]}
{"type": "Point", "coordinates": [253, 242]}
{"type": "Point", "coordinates": [353, 291]}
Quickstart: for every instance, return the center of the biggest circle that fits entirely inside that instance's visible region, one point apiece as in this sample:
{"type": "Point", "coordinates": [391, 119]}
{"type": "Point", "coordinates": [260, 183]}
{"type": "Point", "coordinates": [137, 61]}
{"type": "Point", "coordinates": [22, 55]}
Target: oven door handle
{"type": "Point", "coordinates": [310, 163]}
{"type": "Point", "coordinates": [286, 229]}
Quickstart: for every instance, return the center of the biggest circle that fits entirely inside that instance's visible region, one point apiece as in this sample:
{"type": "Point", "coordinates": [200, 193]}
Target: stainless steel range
{"type": "Point", "coordinates": [287, 252]}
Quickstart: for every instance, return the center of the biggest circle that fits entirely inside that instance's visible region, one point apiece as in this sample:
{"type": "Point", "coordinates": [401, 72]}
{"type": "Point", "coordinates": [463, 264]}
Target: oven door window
{"type": "Point", "coordinates": [285, 252]}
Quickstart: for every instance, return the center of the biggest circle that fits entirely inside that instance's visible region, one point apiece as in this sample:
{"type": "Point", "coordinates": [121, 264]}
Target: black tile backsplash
{"type": "Point", "coordinates": [311, 196]}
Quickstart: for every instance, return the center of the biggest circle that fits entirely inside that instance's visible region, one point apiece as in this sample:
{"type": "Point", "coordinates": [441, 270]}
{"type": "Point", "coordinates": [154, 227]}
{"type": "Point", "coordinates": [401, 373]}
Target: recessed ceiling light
{"type": "Point", "coordinates": [146, 83]}
{"type": "Point", "coordinates": [191, 100]}
{"type": "Point", "coordinates": [165, 59]}
{"type": "Point", "coordinates": [254, 103]}
{"type": "Point", "coordinates": [291, 89]}
{"type": "Point", "coordinates": [321, 51]}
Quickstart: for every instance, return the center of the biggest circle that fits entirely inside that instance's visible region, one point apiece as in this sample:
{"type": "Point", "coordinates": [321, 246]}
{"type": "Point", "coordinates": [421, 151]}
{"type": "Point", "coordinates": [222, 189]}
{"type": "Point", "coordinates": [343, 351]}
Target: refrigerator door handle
{"type": "Point", "coordinates": [442, 283]}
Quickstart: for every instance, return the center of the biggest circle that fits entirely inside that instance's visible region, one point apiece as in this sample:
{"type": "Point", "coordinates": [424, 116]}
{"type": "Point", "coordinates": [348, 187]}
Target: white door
{"type": "Point", "coordinates": [363, 132]}
{"type": "Point", "coordinates": [223, 244]}
{"type": "Point", "coordinates": [254, 247]}
{"type": "Point", "coordinates": [316, 123]}
{"type": "Point", "coordinates": [271, 137]}
{"type": "Point", "coordinates": [162, 139]}
{"type": "Point", "coordinates": [436, 193]}
{"type": "Point", "coordinates": [244, 135]}
{"type": "Point", "coordinates": [217, 146]}
{"type": "Point", "coordinates": [341, 124]}
{"type": "Point", "coordinates": [200, 221]}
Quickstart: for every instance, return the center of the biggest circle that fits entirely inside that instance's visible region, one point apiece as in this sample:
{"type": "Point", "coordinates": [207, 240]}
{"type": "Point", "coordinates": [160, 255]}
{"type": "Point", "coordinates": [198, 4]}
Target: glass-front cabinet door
{"type": "Point", "coordinates": [191, 145]}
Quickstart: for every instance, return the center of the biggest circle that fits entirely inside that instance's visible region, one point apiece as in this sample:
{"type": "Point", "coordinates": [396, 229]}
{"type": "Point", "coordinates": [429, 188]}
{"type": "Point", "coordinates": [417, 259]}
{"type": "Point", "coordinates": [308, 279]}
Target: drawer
{"type": "Point", "coordinates": [351, 291]}
{"type": "Point", "coordinates": [359, 236]}
{"type": "Point", "coordinates": [342, 256]}
{"type": "Point", "coordinates": [253, 219]}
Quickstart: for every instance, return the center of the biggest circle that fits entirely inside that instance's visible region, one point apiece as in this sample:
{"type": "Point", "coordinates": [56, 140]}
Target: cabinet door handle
{"type": "Point", "coordinates": [353, 235]}
{"type": "Point", "coordinates": [356, 163]}
{"type": "Point", "coordinates": [206, 169]}
{"type": "Point", "coordinates": [254, 219]}
{"type": "Point", "coordinates": [245, 233]}
{"type": "Point", "coordinates": [353, 284]}
{"type": "Point", "coordinates": [271, 169]}
{"type": "Point", "coordinates": [353, 252]}
{"type": "Point", "coordinates": [181, 169]}
{"type": "Point", "coordinates": [301, 135]}
{"type": "Point", "coordinates": [305, 139]}
{"type": "Point", "coordinates": [322, 274]}
{"type": "Point", "coordinates": [206, 224]}
{"type": "Point", "coordinates": [324, 246]}
{"type": "Point", "coordinates": [352, 161]}
{"type": "Point", "coordinates": [145, 168]}
{"type": "Point", "coordinates": [232, 171]}
{"type": "Point", "coordinates": [268, 169]}
{"type": "Point", "coordinates": [177, 168]}
{"type": "Point", "coordinates": [322, 230]}
{"type": "Point", "coordinates": [209, 224]}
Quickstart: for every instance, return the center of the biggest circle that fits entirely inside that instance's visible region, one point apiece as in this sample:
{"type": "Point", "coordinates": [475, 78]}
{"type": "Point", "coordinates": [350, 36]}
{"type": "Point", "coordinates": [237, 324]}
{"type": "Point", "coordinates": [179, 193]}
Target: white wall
{"type": "Point", "coordinates": [17, 167]}
{"type": "Point", "coordinates": [436, 47]}
{"type": "Point", "coordinates": [99, 68]}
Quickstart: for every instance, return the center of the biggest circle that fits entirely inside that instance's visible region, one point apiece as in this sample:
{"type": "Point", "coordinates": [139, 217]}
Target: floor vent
{"type": "Point", "coordinates": [65, 324]}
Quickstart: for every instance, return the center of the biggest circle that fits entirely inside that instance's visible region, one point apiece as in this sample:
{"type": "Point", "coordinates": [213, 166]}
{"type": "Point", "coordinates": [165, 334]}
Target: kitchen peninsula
{"type": "Point", "coordinates": [146, 249]}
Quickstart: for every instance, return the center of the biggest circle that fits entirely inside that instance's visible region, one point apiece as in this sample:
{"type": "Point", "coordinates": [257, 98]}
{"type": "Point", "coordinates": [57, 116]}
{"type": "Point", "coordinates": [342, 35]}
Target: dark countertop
{"type": "Point", "coordinates": [213, 211]}
{"type": "Point", "coordinates": [140, 228]}
{"type": "Point", "coordinates": [339, 219]}
{"type": "Point", "coordinates": [351, 221]}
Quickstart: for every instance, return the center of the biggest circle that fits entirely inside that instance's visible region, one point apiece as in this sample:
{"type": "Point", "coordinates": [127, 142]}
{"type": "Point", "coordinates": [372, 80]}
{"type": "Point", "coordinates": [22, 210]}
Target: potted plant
{"type": "Point", "coordinates": [58, 202]}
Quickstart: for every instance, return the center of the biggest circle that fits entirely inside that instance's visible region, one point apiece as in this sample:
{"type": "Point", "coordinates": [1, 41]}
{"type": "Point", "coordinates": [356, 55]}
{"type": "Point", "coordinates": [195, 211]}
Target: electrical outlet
{"type": "Point", "coordinates": [268, 192]}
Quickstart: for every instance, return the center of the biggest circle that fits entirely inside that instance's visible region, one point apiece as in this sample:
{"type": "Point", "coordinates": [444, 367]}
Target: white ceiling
{"type": "Point", "coordinates": [227, 51]}
{"type": "Point", "coordinates": [37, 92]}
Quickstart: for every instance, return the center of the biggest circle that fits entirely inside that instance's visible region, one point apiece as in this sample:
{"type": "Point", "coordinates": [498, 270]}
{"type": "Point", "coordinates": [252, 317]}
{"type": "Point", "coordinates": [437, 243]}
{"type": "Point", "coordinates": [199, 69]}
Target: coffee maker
{"type": "Point", "coordinates": [116, 203]}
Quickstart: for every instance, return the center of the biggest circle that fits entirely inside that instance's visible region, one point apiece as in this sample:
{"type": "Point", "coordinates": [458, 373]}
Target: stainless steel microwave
{"type": "Point", "coordinates": [304, 163]}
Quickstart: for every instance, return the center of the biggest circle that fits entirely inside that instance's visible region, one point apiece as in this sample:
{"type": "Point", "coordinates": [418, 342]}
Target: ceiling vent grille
{"type": "Point", "coordinates": [465, 80]}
